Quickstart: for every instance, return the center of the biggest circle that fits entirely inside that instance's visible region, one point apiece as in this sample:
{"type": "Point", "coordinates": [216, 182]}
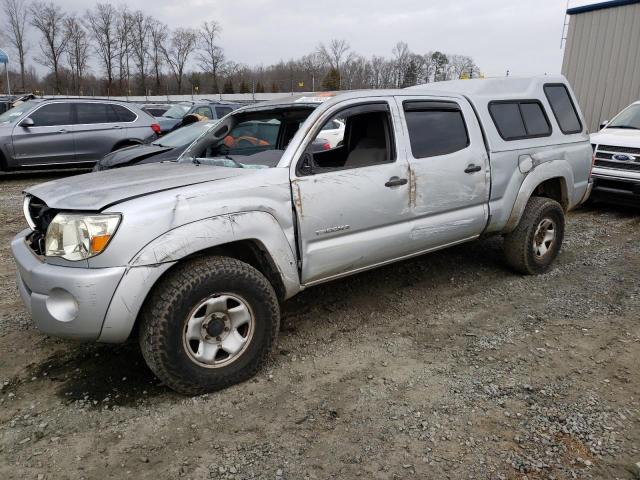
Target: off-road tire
{"type": "Point", "coordinates": [166, 310]}
{"type": "Point", "coordinates": [518, 245]}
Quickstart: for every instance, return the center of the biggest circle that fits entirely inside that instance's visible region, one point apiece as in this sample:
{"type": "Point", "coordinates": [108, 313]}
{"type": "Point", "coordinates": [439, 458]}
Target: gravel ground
{"type": "Point", "coordinates": [445, 366]}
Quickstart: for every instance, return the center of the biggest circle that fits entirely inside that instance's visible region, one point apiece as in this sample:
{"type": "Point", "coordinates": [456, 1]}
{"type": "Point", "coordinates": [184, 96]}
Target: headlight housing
{"type": "Point", "coordinates": [77, 236]}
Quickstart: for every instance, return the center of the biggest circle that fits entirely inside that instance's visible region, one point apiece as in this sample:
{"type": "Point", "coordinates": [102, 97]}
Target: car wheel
{"type": "Point", "coordinates": [535, 243]}
{"type": "Point", "coordinates": [210, 323]}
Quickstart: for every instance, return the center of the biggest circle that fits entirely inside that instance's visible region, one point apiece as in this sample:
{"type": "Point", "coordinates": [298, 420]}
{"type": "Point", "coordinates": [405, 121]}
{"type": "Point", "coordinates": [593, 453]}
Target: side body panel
{"type": "Point", "coordinates": [448, 204]}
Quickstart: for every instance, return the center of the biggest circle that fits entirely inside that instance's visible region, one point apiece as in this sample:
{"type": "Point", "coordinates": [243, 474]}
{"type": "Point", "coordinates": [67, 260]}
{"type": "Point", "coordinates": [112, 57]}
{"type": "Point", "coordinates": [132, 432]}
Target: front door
{"type": "Point", "coordinates": [49, 141]}
{"type": "Point", "coordinates": [352, 201]}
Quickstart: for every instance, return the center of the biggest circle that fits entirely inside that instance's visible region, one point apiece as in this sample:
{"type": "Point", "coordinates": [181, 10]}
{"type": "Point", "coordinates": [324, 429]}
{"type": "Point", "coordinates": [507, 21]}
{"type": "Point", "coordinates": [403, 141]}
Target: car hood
{"type": "Point", "coordinates": [618, 137]}
{"type": "Point", "coordinates": [130, 154]}
{"type": "Point", "coordinates": [167, 123]}
{"type": "Point", "coordinates": [97, 190]}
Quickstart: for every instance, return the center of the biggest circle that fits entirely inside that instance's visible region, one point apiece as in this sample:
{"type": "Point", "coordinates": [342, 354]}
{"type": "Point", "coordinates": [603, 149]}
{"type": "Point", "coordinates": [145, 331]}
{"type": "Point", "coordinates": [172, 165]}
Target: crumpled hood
{"type": "Point", "coordinates": [94, 191]}
{"type": "Point", "coordinates": [128, 154]}
{"type": "Point", "coordinates": [618, 137]}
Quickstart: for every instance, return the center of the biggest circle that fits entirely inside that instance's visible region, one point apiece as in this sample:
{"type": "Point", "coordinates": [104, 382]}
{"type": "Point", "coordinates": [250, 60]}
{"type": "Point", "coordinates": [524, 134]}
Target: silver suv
{"type": "Point", "coordinates": [64, 132]}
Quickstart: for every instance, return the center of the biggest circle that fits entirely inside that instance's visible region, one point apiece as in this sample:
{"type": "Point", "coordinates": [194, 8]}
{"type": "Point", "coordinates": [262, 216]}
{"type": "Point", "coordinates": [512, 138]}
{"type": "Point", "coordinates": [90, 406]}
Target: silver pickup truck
{"type": "Point", "coordinates": [195, 256]}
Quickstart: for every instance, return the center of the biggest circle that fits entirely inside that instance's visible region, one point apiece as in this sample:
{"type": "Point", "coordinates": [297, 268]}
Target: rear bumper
{"type": "Point", "coordinates": [616, 186]}
{"type": "Point", "coordinates": [64, 301]}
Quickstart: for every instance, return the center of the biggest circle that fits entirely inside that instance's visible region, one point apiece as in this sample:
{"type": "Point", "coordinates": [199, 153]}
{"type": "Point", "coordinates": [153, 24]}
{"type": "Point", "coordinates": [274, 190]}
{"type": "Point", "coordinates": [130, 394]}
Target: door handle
{"type": "Point", "coordinates": [396, 182]}
{"type": "Point", "coordinates": [117, 126]}
{"type": "Point", "coordinates": [63, 130]}
{"type": "Point", "coordinates": [472, 168]}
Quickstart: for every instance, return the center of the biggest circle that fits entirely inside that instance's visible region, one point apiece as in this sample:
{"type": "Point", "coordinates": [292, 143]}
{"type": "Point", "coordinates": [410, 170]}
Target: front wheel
{"type": "Point", "coordinates": [535, 243]}
{"type": "Point", "coordinates": [209, 324]}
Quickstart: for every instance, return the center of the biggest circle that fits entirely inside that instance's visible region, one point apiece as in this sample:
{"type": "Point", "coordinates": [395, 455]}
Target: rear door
{"type": "Point", "coordinates": [50, 140]}
{"type": "Point", "coordinates": [450, 176]}
{"type": "Point", "coordinates": [97, 130]}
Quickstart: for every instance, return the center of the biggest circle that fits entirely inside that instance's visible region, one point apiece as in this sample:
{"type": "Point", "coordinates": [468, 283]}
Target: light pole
{"type": "Point", "coordinates": [4, 58]}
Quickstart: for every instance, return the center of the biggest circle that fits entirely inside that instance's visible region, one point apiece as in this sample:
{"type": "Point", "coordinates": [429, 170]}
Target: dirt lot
{"type": "Point", "coordinates": [446, 366]}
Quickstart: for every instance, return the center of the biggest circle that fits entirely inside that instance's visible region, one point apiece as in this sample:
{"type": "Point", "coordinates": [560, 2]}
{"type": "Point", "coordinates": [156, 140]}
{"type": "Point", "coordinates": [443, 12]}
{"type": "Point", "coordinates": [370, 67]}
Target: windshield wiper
{"type": "Point", "coordinates": [628, 127]}
{"type": "Point", "coordinates": [237, 163]}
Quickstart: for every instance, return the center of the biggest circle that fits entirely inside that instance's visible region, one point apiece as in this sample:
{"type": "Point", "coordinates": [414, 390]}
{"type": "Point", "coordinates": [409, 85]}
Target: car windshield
{"type": "Point", "coordinates": [628, 118]}
{"type": "Point", "coordinates": [16, 112]}
{"type": "Point", "coordinates": [177, 111]}
{"type": "Point", "coordinates": [184, 136]}
{"type": "Point", "coordinates": [256, 139]}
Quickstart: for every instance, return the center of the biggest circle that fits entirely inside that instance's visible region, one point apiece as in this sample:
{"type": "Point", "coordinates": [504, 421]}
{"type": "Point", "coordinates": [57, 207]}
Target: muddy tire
{"type": "Point", "coordinates": [210, 323]}
{"type": "Point", "coordinates": [535, 243]}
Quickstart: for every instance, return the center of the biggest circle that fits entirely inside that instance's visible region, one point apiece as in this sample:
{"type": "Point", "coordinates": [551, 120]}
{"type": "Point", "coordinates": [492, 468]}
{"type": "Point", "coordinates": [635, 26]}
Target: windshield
{"type": "Point", "coordinates": [16, 112]}
{"type": "Point", "coordinates": [628, 118]}
{"type": "Point", "coordinates": [184, 136]}
{"type": "Point", "coordinates": [177, 111]}
{"type": "Point", "coordinates": [255, 140]}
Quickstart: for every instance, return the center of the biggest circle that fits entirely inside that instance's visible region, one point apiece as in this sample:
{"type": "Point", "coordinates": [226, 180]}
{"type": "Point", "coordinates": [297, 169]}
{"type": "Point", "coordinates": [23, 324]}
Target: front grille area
{"type": "Point", "coordinates": [605, 157]}
{"type": "Point", "coordinates": [41, 216]}
{"type": "Point", "coordinates": [618, 165]}
{"type": "Point", "coordinates": [613, 149]}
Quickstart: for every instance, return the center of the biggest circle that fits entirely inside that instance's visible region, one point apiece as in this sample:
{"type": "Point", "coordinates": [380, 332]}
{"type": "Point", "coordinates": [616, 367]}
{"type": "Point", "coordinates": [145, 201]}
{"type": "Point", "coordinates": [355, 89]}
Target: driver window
{"type": "Point", "coordinates": [357, 137]}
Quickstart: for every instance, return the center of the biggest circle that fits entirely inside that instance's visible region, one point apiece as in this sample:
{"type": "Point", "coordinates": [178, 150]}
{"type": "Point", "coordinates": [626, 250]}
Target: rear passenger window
{"type": "Point", "coordinates": [91, 113]}
{"type": "Point", "coordinates": [222, 111]}
{"type": "Point", "coordinates": [563, 108]}
{"type": "Point", "coordinates": [520, 119]}
{"type": "Point", "coordinates": [123, 114]}
{"type": "Point", "coordinates": [435, 128]}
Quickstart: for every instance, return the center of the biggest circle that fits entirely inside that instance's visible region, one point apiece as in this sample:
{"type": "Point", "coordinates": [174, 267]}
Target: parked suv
{"type": "Point", "coordinates": [198, 254]}
{"type": "Point", "coordinates": [69, 132]}
{"type": "Point", "coordinates": [213, 110]}
{"type": "Point", "coordinates": [616, 148]}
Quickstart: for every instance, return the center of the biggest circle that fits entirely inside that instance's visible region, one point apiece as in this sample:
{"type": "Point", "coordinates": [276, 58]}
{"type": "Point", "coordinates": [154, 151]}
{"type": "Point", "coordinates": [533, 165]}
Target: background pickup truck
{"type": "Point", "coordinates": [195, 256]}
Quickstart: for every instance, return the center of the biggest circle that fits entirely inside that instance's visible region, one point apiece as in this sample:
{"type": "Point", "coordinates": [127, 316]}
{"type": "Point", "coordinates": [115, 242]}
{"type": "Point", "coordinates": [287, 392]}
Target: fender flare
{"type": "Point", "coordinates": [258, 226]}
{"type": "Point", "coordinates": [543, 172]}
{"type": "Point", "coordinates": [159, 255]}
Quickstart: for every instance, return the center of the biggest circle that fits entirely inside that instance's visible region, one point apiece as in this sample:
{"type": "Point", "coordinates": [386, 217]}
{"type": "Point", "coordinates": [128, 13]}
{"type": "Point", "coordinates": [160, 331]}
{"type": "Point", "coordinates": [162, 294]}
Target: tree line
{"type": "Point", "coordinates": [110, 50]}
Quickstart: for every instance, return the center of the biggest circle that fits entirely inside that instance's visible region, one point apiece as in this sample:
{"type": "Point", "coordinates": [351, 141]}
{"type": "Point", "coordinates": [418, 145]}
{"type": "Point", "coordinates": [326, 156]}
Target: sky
{"type": "Point", "coordinates": [522, 36]}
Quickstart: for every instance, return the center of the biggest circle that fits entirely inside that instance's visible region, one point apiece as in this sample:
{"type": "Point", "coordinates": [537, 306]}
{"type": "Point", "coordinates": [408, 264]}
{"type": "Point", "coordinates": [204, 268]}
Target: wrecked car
{"type": "Point", "coordinates": [196, 256]}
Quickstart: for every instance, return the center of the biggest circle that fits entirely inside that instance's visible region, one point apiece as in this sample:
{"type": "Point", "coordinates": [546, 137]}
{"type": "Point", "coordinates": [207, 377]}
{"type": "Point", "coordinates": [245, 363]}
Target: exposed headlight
{"type": "Point", "coordinates": [76, 236]}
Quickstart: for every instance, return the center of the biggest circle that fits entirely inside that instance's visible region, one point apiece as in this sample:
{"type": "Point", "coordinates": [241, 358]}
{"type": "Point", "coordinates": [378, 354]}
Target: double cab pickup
{"type": "Point", "coordinates": [196, 255]}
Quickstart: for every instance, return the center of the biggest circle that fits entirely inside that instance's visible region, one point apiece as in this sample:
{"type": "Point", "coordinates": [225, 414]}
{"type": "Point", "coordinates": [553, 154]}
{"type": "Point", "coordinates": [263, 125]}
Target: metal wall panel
{"type": "Point", "coordinates": [602, 61]}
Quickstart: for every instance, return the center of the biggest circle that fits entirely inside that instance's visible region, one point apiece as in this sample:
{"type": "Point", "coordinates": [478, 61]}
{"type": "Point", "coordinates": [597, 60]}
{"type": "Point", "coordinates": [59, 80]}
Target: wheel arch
{"type": "Point", "coordinates": [233, 236]}
{"type": "Point", "coordinates": [552, 180]}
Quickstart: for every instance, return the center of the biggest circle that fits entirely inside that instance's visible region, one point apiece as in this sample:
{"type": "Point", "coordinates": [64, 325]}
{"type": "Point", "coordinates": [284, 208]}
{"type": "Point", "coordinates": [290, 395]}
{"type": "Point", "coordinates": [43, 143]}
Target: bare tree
{"type": "Point", "coordinates": [159, 36]}
{"type": "Point", "coordinates": [183, 43]}
{"type": "Point", "coordinates": [123, 37]}
{"type": "Point", "coordinates": [48, 19]}
{"type": "Point", "coordinates": [211, 58]}
{"type": "Point", "coordinates": [402, 56]}
{"type": "Point", "coordinates": [314, 66]}
{"type": "Point", "coordinates": [77, 51]}
{"type": "Point", "coordinates": [15, 25]}
{"type": "Point", "coordinates": [102, 23]}
{"type": "Point", "coordinates": [336, 53]}
{"type": "Point", "coordinates": [140, 44]}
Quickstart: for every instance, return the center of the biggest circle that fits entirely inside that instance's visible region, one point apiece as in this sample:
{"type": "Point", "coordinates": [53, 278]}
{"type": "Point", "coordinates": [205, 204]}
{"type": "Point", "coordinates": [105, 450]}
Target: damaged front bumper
{"type": "Point", "coordinates": [90, 304]}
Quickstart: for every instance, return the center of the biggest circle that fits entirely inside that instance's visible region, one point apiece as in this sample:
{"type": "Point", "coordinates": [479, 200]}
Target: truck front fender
{"type": "Point", "coordinates": [194, 237]}
{"type": "Point", "coordinates": [541, 173]}
{"type": "Point", "coordinates": [150, 263]}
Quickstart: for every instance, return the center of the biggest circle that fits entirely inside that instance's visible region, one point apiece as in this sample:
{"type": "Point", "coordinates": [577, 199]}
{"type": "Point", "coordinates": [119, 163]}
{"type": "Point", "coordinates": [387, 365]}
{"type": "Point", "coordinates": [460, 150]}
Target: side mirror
{"type": "Point", "coordinates": [306, 166]}
{"type": "Point", "coordinates": [604, 124]}
{"type": "Point", "coordinates": [27, 122]}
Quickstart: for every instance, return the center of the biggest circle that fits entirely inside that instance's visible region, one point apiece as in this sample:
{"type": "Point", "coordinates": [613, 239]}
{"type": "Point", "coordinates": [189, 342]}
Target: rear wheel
{"type": "Point", "coordinates": [535, 243]}
{"type": "Point", "coordinates": [209, 324]}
